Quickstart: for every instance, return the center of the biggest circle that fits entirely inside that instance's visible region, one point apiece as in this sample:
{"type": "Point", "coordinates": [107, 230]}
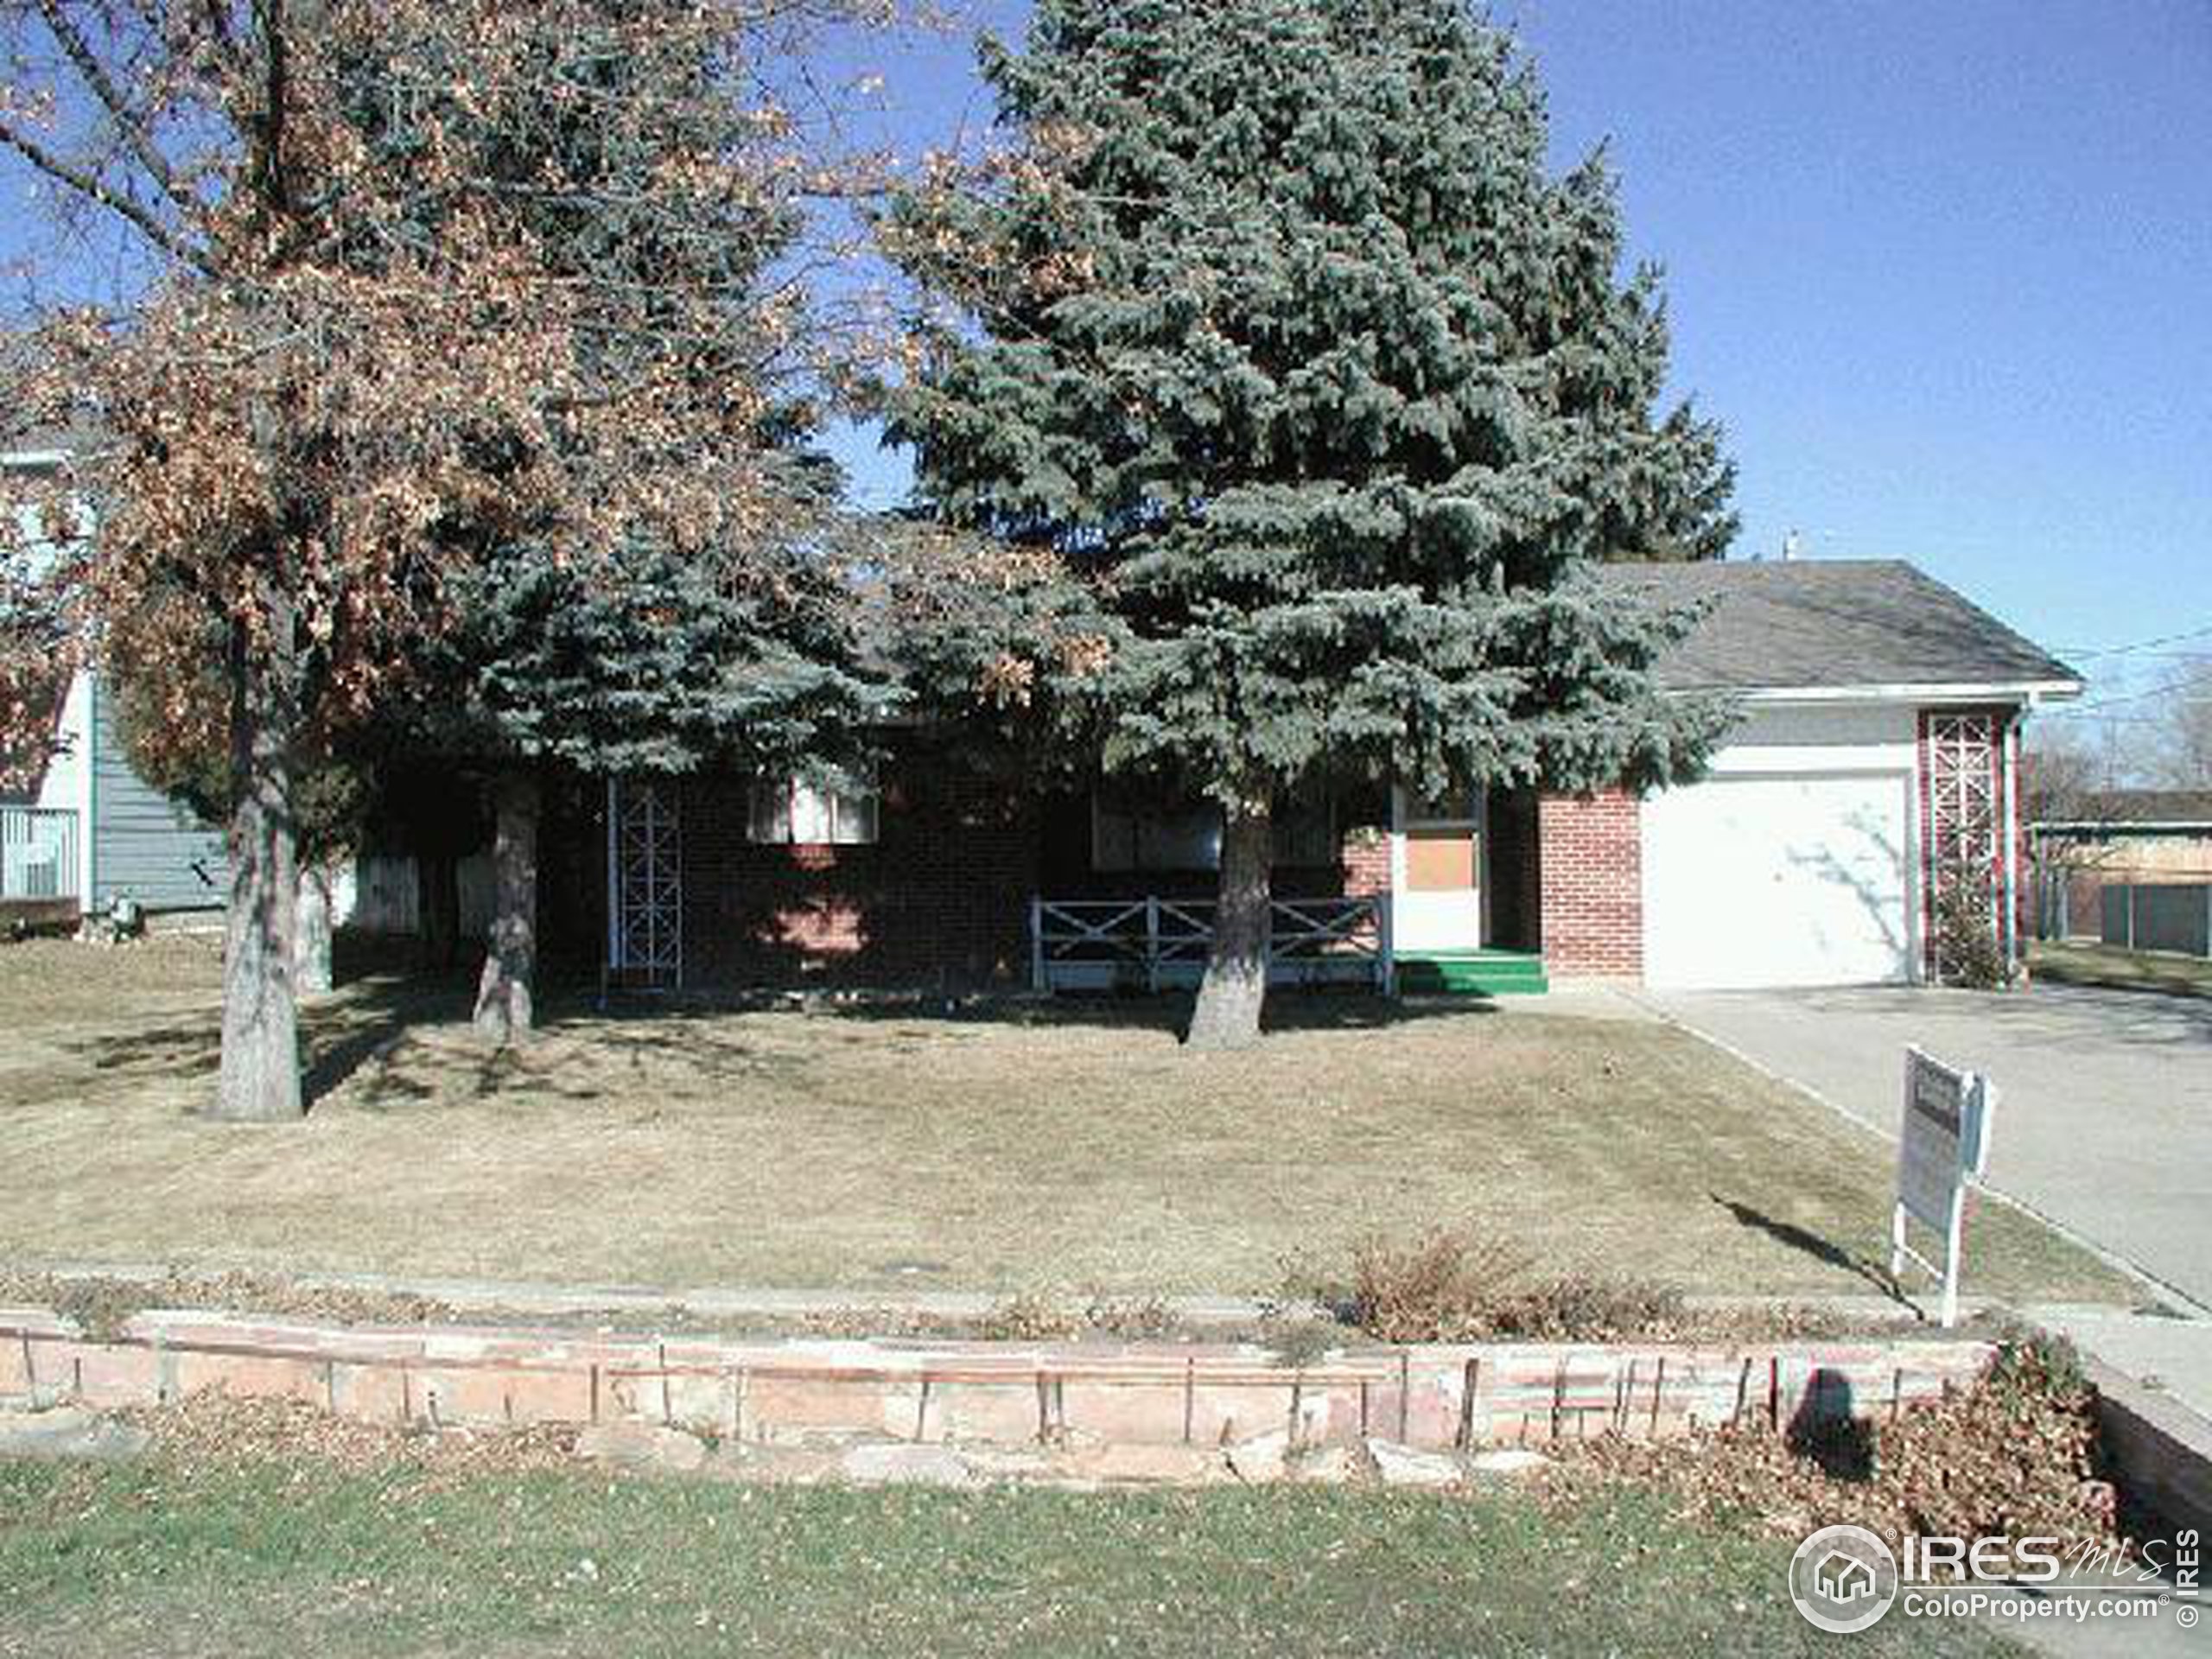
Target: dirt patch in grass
{"type": "Point", "coordinates": [1072, 1149]}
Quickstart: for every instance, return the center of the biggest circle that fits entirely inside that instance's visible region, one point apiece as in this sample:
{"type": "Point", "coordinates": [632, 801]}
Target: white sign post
{"type": "Point", "coordinates": [1946, 1145]}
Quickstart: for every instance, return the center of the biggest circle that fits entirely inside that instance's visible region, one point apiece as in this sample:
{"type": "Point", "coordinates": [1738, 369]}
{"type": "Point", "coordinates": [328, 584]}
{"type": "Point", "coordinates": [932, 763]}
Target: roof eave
{"type": "Point", "coordinates": [2029, 692]}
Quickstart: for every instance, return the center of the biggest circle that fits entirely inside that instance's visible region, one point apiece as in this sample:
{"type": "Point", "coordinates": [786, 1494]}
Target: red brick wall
{"type": "Point", "coordinates": [1591, 882]}
{"type": "Point", "coordinates": [1366, 863]}
{"type": "Point", "coordinates": [940, 901]}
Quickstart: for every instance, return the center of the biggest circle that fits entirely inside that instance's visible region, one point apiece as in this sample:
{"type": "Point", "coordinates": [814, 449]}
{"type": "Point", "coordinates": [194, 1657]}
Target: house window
{"type": "Point", "coordinates": [796, 812]}
{"type": "Point", "coordinates": [1131, 835]}
{"type": "Point", "coordinates": [1125, 836]}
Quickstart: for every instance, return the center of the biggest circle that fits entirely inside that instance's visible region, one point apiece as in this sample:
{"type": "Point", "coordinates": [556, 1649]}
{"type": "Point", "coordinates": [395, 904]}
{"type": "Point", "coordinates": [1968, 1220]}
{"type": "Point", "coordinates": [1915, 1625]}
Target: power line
{"type": "Point", "coordinates": [2188, 685]}
{"type": "Point", "coordinates": [2204, 633]}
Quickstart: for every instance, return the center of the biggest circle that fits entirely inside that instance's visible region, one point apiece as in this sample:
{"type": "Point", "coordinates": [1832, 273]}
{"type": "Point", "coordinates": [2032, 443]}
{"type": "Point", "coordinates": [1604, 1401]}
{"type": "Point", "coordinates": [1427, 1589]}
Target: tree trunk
{"type": "Point", "coordinates": [259, 1082]}
{"type": "Point", "coordinates": [1236, 983]}
{"type": "Point", "coordinates": [311, 945]}
{"type": "Point", "coordinates": [503, 994]}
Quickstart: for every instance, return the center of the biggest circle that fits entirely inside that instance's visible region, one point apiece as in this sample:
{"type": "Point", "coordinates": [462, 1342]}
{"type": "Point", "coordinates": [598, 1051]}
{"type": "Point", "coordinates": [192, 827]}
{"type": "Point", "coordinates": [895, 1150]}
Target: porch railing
{"type": "Point", "coordinates": [38, 853]}
{"type": "Point", "coordinates": [1153, 944]}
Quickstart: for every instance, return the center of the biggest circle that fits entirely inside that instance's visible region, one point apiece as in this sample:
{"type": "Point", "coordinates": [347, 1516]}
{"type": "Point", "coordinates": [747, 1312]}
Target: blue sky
{"type": "Point", "coordinates": [1943, 268]}
{"type": "Point", "coordinates": [1944, 271]}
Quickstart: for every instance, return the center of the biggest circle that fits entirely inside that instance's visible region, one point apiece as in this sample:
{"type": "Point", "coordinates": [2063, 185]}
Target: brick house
{"type": "Point", "coordinates": [2149, 836]}
{"type": "Point", "coordinates": [1875, 757]}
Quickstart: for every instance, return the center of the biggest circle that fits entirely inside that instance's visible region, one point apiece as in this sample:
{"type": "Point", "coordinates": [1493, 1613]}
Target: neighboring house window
{"type": "Point", "coordinates": [1127, 835]}
{"type": "Point", "coordinates": [793, 812]}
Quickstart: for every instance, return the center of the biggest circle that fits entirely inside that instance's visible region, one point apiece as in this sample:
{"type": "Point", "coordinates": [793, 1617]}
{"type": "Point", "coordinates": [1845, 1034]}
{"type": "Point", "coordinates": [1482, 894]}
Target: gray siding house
{"type": "Point", "coordinates": [90, 830]}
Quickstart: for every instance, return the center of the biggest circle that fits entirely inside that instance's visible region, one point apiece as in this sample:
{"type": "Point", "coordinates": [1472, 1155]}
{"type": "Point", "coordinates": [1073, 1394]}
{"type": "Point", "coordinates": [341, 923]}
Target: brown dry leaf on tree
{"type": "Point", "coordinates": [411, 278]}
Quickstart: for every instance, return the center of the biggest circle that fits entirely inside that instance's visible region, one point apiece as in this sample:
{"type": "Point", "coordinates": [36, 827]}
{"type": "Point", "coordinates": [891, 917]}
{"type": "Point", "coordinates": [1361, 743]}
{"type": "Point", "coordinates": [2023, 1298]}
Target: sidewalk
{"type": "Point", "coordinates": [2167, 1356]}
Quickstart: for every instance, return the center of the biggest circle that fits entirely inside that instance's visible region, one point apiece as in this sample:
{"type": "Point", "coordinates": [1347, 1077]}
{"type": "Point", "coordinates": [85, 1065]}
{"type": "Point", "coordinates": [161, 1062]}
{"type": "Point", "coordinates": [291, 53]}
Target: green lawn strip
{"type": "Point", "coordinates": [158, 1560]}
{"type": "Point", "coordinates": [2127, 971]}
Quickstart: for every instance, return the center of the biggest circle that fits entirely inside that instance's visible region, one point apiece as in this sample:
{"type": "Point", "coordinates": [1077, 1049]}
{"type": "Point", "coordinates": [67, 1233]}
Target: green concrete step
{"type": "Point", "coordinates": [1472, 972]}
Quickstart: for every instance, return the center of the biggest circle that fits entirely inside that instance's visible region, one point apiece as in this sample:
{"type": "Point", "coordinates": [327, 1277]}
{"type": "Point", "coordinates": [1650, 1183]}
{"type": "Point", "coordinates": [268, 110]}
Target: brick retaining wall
{"type": "Point", "coordinates": [781, 1390]}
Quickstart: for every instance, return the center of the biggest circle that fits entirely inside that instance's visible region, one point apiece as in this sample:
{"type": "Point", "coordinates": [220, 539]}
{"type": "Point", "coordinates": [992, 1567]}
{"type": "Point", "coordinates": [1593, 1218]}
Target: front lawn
{"type": "Point", "coordinates": [1072, 1148]}
{"type": "Point", "coordinates": [171, 1560]}
{"type": "Point", "coordinates": [2078, 962]}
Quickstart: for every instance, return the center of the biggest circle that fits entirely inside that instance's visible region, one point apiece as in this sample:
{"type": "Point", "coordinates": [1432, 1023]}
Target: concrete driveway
{"type": "Point", "coordinates": [2104, 1117]}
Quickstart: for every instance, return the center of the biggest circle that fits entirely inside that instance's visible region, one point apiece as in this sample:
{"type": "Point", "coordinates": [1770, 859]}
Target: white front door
{"type": "Point", "coordinates": [1436, 862]}
{"type": "Point", "coordinates": [1796, 879]}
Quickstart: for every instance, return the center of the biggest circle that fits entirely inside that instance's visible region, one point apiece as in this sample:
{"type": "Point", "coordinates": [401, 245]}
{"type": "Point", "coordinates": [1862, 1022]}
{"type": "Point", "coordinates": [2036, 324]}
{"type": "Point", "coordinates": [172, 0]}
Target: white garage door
{"type": "Point", "coordinates": [1796, 881]}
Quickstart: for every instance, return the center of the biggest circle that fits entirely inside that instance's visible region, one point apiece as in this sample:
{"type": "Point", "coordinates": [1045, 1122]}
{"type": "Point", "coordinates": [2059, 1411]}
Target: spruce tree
{"type": "Point", "coordinates": [1271, 326]}
{"type": "Point", "coordinates": [647, 664]}
{"type": "Point", "coordinates": [659, 653]}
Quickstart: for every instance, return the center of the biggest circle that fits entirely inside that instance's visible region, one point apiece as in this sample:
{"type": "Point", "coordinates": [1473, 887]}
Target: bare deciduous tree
{"type": "Point", "coordinates": [364, 351]}
{"type": "Point", "coordinates": [2183, 744]}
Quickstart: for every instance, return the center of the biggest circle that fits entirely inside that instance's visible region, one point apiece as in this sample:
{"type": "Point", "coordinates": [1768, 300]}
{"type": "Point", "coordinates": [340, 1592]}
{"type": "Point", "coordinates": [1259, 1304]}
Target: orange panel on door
{"type": "Point", "coordinates": [1439, 861]}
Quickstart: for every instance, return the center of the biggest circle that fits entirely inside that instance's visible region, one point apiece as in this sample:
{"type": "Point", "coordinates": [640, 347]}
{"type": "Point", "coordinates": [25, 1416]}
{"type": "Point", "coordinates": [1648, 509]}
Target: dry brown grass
{"type": "Point", "coordinates": [2079, 962]}
{"type": "Point", "coordinates": [1074, 1149]}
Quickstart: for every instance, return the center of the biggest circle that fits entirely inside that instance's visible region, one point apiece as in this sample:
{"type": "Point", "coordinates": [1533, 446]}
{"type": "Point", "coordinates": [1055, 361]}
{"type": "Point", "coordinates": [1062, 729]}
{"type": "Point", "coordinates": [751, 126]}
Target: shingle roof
{"type": "Point", "coordinates": [1810, 624]}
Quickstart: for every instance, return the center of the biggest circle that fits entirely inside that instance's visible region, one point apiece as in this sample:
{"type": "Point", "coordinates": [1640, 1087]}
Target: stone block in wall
{"type": "Point", "coordinates": [794, 1406]}
{"type": "Point", "coordinates": [253, 1377]}
{"type": "Point", "coordinates": [372, 1393]}
{"type": "Point", "coordinates": [1005, 1414]}
{"type": "Point", "coordinates": [101, 1374]}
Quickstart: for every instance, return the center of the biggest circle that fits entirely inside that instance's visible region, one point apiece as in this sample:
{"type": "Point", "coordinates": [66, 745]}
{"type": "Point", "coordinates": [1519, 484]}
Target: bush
{"type": "Point", "coordinates": [1034, 1316]}
{"type": "Point", "coordinates": [1969, 951]}
{"type": "Point", "coordinates": [1029, 1317]}
{"type": "Point", "coordinates": [1456, 1285]}
{"type": "Point", "coordinates": [1581, 1308]}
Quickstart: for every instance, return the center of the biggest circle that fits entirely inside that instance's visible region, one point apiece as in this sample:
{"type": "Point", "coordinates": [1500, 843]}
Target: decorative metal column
{"type": "Point", "coordinates": [645, 883]}
{"type": "Point", "coordinates": [1963, 826]}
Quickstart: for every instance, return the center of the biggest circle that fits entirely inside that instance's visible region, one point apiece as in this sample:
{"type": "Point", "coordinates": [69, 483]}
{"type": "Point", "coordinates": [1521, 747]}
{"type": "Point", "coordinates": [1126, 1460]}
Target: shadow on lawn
{"type": "Point", "coordinates": [363, 1023]}
{"type": "Point", "coordinates": [359, 1037]}
{"type": "Point", "coordinates": [1800, 1239]}
{"type": "Point", "coordinates": [1167, 1011]}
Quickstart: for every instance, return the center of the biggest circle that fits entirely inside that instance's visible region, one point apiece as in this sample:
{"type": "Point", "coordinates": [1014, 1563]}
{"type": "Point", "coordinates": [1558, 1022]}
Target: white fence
{"type": "Point", "coordinates": [1154, 943]}
{"type": "Point", "coordinates": [381, 894]}
{"type": "Point", "coordinates": [38, 853]}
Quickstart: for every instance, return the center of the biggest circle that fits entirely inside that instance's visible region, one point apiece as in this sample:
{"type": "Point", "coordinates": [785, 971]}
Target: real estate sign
{"type": "Point", "coordinates": [1945, 1147]}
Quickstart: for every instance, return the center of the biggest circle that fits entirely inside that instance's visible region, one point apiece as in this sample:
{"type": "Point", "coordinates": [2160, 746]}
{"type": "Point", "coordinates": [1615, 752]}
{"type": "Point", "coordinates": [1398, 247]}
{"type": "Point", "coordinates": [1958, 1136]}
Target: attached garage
{"type": "Point", "coordinates": [1873, 764]}
{"type": "Point", "coordinates": [1800, 880]}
